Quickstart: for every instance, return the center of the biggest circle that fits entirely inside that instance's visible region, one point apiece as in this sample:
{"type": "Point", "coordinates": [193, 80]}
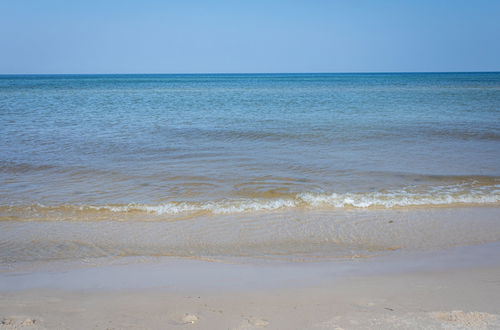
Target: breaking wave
{"type": "Point", "coordinates": [313, 200]}
{"type": "Point", "coordinates": [450, 195]}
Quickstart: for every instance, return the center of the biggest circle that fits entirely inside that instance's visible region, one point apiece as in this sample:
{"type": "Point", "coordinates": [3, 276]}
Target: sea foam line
{"type": "Point", "coordinates": [435, 196]}
{"type": "Point", "coordinates": [314, 200]}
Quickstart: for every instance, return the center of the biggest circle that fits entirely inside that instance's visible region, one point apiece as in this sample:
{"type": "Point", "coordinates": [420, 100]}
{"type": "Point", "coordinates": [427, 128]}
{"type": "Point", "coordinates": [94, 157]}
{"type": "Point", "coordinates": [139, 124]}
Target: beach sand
{"type": "Point", "coordinates": [451, 300]}
{"type": "Point", "coordinates": [454, 289]}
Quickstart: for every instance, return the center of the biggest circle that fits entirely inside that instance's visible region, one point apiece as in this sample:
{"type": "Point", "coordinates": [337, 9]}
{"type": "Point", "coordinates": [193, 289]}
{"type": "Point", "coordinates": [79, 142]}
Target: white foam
{"type": "Point", "coordinates": [390, 199]}
{"type": "Point", "coordinates": [458, 194]}
{"type": "Point", "coordinates": [218, 207]}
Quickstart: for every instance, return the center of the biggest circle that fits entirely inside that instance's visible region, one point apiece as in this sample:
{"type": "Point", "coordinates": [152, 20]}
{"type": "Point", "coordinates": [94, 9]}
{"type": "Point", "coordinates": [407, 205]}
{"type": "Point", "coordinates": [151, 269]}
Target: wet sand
{"type": "Point", "coordinates": [452, 289]}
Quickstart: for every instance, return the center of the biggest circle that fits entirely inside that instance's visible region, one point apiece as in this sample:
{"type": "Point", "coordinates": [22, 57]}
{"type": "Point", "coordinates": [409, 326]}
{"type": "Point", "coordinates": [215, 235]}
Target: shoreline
{"type": "Point", "coordinates": [454, 288]}
{"type": "Point", "coordinates": [176, 273]}
{"type": "Point", "coordinates": [443, 276]}
{"type": "Point", "coordinates": [279, 236]}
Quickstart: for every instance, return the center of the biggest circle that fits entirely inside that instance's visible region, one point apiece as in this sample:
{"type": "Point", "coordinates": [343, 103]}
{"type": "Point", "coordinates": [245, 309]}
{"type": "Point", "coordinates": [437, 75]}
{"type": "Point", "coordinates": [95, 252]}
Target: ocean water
{"type": "Point", "coordinates": [185, 147]}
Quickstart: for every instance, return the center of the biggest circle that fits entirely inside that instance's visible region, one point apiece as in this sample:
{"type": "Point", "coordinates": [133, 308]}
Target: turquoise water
{"type": "Point", "coordinates": [184, 145]}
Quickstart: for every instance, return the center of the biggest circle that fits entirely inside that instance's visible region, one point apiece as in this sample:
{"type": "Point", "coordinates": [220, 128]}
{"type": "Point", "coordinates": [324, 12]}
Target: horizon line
{"type": "Point", "coordinates": [240, 73]}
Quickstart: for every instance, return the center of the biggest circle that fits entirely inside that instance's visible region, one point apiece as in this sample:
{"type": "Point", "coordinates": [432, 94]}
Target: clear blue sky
{"type": "Point", "coordinates": [148, 36]}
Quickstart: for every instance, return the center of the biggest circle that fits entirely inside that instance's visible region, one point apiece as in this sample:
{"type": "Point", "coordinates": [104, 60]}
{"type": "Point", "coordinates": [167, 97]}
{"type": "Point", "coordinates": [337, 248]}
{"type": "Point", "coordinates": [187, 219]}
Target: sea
{"type": "Point", "coordinates": [222, 164]}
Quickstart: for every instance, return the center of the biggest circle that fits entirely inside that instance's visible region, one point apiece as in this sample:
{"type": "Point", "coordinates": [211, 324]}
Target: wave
{"type": "Point", "coordinates": [416, 196]}
{"type": "Point", "coordinates": [315, 200]}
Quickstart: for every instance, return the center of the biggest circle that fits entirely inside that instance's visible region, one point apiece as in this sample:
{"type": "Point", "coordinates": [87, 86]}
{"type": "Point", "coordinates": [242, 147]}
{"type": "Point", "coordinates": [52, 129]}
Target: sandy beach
{"type": "Point", "coordinates": [452, 289]}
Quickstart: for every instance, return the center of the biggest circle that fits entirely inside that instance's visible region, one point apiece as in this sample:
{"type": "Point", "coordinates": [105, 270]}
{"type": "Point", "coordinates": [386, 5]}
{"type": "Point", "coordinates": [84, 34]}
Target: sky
{"type": "Point", "coordinates": [235, 36]}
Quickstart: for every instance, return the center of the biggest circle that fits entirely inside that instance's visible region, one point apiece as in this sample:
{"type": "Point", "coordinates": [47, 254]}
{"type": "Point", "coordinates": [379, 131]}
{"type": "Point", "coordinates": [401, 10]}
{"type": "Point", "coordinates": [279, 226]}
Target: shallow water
{"type": "Point", "coordinates": [299, 236]}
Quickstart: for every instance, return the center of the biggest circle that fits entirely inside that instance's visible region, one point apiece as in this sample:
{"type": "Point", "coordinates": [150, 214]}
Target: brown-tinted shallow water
{"type": "Point", "coordinates": [299, 235]}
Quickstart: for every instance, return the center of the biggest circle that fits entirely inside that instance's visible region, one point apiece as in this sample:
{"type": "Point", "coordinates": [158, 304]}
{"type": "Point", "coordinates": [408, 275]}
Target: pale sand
{"type": "Point", "coordinates": [450, 300]}
{"type": "Point", "coordinates": [452, 283]}
{"type": "Point", "coordinates": [451, 292]}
